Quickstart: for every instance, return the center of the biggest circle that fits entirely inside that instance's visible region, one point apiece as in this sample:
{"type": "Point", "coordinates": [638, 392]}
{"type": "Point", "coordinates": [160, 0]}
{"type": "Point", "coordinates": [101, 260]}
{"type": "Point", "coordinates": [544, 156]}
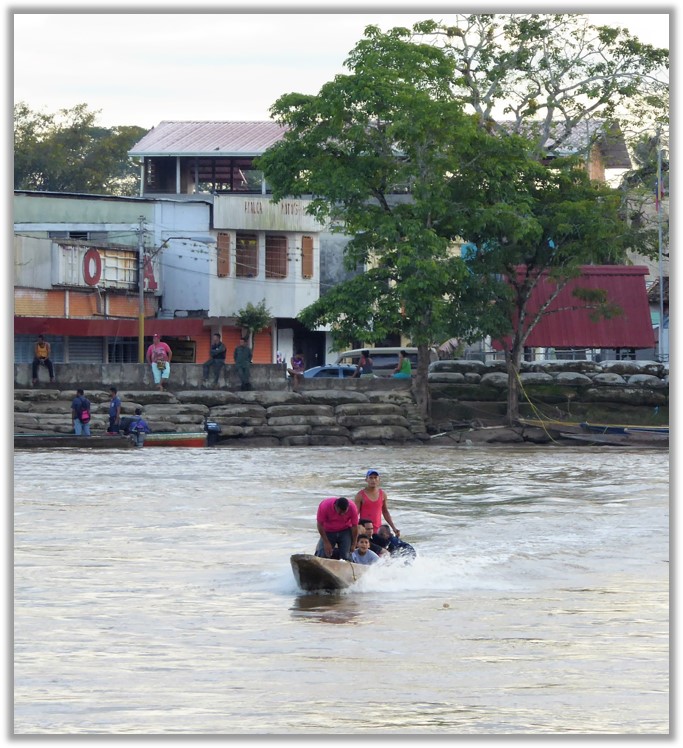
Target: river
{"type": "Point", "coordinates": [153, 594]}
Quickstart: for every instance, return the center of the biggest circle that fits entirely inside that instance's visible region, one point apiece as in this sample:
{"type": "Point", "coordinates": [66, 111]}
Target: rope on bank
{"type": "Point", "coordinates": [534, 409]}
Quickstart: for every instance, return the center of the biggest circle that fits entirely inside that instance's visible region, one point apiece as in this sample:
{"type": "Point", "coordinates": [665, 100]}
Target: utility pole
{"type": "Point", "coordinates": [660, 346]}
{"type": "Point", "coordinates": [141, 292]}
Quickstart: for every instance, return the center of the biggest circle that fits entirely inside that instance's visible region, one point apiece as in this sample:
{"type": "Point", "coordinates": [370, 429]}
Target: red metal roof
{"type": "Point", "coordinates": [196, 138]}
{"type": "Point", "coordinates": [573, 328]}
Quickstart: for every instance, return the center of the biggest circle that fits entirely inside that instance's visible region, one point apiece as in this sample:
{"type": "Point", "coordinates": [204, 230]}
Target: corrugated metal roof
{"type": "Point", "coordinates": [573, 328]}
{"type": "Point", "coordinates": [194, 138]}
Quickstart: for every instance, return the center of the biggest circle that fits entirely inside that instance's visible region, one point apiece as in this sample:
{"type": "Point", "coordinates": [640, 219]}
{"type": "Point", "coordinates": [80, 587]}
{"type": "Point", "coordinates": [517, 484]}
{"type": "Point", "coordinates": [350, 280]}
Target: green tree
{"type": "Point", "coordinates": [539, 222]}
{"type": "Point", "coordinates": [254, 318]}
{"type": "Point", "coordinates": [376, 149]}
{"type": "Point", "coordinates": [67, 152]}
{"type": "Point", "coordinates": [548, 76]}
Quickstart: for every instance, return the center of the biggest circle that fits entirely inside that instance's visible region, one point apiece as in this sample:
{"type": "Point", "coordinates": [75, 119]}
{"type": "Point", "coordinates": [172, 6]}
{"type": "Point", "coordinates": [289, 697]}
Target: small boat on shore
{"type": "Point", "coordinates": [313, 573]}
{"type": "Point", "coordinates": [109, 441]}
{"type": "Point", "coordinates": [608, 434]}
{"type": "Point", "coordinates": [70, 441]}
{"type": "Point", "coordinates": [176, 439]}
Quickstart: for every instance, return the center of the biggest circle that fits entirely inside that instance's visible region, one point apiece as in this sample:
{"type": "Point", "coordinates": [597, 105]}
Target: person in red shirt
{"type": "Point", "coordinates": [337, 520]}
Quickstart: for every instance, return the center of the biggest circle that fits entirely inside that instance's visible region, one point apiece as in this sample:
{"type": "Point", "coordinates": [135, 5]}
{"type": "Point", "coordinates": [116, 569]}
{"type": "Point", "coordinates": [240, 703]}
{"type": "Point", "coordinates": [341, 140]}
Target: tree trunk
{"type": "Point", "coordinates": [421, 381]}
{"type": "Point", "coordinates": [513, 362]}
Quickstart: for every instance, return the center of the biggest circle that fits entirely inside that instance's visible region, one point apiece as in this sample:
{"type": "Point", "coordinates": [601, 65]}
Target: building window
{"type": "Point", "coordinates": [220, 175]}
{"type": "Point", "coordinates": [306, 256]}
{"type": "Point", "coordinates": [276, 256]}
{"type": "Point", "coordinates": [223, 255]}
{"type": "Point", "coordinates": [246, 256]}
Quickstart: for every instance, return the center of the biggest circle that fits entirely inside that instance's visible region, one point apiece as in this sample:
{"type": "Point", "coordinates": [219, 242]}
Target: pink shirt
{"type": "Point", "coordinates": [331, 520]}
{"type": "Point", "coordinates": [158, 352]}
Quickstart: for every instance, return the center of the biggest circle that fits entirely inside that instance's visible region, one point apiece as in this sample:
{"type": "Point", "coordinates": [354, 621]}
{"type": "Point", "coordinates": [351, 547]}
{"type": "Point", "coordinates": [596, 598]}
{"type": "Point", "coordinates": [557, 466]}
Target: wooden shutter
{"type": "Point", "coordinates": [306, 257]}
{"type": "Point", "coordinates": [276, 256]}
{"type": "Point", "coordinates": [223, 255]}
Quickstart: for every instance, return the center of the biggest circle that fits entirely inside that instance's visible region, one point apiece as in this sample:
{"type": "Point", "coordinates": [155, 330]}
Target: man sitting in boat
{"type": "Point", "coordinates": [394, 545]}
{"type": "Point", "coordinates": [365, 527]}
{"type": "Point", "coordinates": [363, 554]}
{"type": "Point", "coordinates": [337, 520]}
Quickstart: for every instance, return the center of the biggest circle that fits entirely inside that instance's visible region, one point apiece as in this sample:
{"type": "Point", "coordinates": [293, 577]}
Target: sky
{"type": "Point", "coordinates": [169, 63]}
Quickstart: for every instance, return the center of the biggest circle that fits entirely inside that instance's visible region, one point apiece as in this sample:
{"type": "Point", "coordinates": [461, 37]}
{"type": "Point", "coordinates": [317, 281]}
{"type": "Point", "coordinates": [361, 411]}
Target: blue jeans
{"type": "Point", "coordinates": [340, 540]}
{"type": "Point", "coordinates": [81, 429]}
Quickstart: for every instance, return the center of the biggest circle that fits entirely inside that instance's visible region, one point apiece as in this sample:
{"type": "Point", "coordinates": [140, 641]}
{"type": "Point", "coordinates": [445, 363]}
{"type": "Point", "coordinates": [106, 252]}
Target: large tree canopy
{"type": "Point", "coordinates": [68, 152]}
{"type": "Point", "coordinates": [395, 124]}
{"type": "Point", "coordinates": [376, 150]}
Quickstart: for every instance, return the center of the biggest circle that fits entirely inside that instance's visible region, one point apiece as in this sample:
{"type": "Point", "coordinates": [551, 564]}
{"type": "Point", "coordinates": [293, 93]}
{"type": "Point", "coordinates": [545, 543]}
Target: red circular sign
{"type": "Point", "coordinates": [92, 267]}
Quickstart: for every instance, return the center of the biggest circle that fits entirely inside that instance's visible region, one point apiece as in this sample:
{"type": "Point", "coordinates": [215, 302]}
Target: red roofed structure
{"type": "Point", "coordinates": [571, 327]}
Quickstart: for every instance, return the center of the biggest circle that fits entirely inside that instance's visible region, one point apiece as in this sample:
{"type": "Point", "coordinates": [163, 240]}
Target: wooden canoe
{"type": "Point", "coordinates": [70, 441]}
{"type": "Point", "coordinates": [313, 573]}
{"type": "Point", "coordinates": [176, 439]}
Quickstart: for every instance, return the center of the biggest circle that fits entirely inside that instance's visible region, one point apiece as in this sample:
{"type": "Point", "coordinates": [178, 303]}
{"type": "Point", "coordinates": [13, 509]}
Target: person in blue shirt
{"type": "Point", "coordinates": [138, 428]}
{"type": "Point", "coordinates": [114, 412]}
{"type": "Point", "coordinates": [363, 554]}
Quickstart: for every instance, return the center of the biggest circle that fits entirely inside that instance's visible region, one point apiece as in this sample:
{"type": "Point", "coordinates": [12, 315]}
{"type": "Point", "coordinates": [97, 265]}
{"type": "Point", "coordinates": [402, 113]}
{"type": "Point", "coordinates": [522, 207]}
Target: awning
{"type": "Point", "coordinates": [574, 328]}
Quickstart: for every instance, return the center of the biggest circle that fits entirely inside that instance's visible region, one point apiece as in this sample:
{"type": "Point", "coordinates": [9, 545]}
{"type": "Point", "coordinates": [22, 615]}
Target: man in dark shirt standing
{"type": "Point", "coordinates": [217, 360]}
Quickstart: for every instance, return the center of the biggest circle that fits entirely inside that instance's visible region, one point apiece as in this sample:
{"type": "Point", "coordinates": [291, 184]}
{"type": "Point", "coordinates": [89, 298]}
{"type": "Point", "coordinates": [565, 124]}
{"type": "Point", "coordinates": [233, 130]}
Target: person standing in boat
{"type": "Point", "coordinates": [372, 502]}
{"type": "Point", "coordinates": [159, 357]}
{"type": "Point", "coordinates": [337, 521]}
{"type": "Point", "coordinates": [80, 414]}
{"type": "Point", "coordinates": [363, 554]}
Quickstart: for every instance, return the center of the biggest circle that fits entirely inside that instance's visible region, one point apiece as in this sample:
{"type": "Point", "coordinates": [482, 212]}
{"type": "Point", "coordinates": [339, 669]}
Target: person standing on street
{"type": "Point", "coordinates": [217, 360]}
{"type": "Point", "coordinates": [242, 356]}
{"type": "Point", "coordinates": [159, 357]}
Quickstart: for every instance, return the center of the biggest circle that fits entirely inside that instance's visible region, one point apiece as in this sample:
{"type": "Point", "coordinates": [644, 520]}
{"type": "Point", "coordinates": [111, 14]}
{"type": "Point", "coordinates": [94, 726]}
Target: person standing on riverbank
{"type": "Point", "coordinates": [372, 502]}
{"type": "Point", "coordinates": [242, 356]}
{"type": "Point", "coordinates": [114, 412]}
{"type": "Point", "coordinates": [159, 357]}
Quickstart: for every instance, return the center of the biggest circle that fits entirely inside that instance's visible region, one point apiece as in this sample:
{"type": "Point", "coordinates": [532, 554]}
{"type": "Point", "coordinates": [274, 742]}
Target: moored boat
{"type": "Point", "coordinates": [70, 441]}
{"type": "Point", "coordinates": [313, 573]}
{"type": "Point", "coordinates": [176, 439]}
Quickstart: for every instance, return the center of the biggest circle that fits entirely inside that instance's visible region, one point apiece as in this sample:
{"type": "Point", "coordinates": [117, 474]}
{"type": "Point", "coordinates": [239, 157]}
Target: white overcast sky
{"type": "Point", "coordinates": [167, 62]}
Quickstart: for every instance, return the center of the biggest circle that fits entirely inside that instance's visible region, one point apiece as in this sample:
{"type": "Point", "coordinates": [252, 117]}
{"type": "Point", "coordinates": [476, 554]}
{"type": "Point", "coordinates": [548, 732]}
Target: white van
{"type": "Point", "coordinates": [384, 360]}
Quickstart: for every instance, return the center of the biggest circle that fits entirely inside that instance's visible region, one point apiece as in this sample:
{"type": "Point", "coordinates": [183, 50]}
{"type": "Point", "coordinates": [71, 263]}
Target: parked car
{"type": "Point", "coordinates": [330, 371]}
{"type": "Point", "coordinates": [384, 360]}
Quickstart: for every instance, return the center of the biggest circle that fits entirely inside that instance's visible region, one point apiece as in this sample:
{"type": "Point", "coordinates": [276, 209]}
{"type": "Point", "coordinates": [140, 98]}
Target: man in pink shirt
{"type": "Point", "coordinates": [338, 527]}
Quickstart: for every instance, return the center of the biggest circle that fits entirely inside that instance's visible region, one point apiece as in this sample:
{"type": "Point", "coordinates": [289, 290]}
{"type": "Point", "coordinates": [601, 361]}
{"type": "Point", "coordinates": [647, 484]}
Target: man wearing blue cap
{"type": "Point", "coordinates": [372, 503]}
